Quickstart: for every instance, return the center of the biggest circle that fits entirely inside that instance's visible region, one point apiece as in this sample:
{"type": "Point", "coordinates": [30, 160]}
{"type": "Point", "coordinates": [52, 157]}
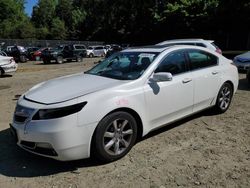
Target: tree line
{"type": "Point", "coordinates": [126, 21]}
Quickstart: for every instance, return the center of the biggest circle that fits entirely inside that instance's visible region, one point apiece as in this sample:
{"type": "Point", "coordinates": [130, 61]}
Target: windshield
{"type": "Point", "coordinates": [124, 65]}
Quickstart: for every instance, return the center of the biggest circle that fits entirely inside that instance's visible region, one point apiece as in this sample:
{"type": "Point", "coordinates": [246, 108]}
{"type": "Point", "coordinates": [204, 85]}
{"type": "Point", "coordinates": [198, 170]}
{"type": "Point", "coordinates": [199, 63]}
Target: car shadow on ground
{"type": "Point", "coordinates": [244, 85]}
{"type": "Point", "coordinates": [6, 76]}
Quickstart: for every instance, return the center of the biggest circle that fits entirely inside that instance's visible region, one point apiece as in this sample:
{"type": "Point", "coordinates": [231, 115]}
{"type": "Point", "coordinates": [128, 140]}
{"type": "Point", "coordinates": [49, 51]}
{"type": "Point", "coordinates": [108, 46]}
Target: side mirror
{"type": "Point", "coordinates": [161, 77]}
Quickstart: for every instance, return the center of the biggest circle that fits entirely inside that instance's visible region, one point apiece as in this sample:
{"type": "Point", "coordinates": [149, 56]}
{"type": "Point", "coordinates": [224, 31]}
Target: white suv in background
{"type": "Point", "coordinates": [96, 51]}
{"type": "Point", "coordinates": [194, 42]}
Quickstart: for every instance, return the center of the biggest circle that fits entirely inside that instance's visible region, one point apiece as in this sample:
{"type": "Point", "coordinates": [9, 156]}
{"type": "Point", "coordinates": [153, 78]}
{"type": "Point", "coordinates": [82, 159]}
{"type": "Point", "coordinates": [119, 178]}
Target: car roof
{"type": "Point", "coordinates": [152, 48]}
{"type": "Point", "coordinates": [186, 40]}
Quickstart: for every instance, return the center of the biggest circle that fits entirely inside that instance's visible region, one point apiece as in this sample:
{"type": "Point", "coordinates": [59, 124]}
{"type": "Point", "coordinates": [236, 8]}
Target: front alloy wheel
{"type": "Point", "coordinates": [224, 98]}
{"type": "Point", "coordinates": [59, 59]}
{"type": "Point", "coordinates": [115, 136]}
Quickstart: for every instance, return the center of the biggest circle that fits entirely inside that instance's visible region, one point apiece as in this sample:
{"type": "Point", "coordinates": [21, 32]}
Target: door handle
{"type": "Point", "coordinates": [186, 80]}
{"type": "Point", "coordinates": [215, 72]}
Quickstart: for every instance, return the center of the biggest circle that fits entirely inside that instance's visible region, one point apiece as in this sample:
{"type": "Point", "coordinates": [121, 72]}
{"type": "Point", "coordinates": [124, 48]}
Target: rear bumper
{"type": "Point", "coordinates": [9, 68]}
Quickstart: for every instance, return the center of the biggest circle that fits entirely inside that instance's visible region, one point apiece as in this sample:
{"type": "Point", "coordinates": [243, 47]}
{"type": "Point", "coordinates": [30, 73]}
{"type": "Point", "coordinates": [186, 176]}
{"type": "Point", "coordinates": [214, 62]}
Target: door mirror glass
{"type": "Point", "coordinates": [161, 77]}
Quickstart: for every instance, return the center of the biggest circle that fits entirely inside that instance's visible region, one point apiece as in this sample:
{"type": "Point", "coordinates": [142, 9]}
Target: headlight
{"type": "Point", "coordinates": [58, 112]}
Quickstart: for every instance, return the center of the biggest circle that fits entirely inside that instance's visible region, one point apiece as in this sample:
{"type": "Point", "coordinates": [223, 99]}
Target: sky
{"type": "Point", "coordinates": [29, 6]}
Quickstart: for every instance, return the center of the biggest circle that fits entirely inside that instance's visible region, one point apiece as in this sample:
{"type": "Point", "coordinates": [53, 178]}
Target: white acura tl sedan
{"type": "Point", "coordinates": [104, 110]}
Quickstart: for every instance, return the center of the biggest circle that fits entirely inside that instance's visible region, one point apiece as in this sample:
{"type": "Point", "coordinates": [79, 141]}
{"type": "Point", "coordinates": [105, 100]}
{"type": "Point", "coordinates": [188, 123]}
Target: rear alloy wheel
{"type": "Point", "coordinates": [59, 59]}
{"type": "Point", "coordinates": [115, 136]}
{"type": "Point", "coordinates": [224, 98]}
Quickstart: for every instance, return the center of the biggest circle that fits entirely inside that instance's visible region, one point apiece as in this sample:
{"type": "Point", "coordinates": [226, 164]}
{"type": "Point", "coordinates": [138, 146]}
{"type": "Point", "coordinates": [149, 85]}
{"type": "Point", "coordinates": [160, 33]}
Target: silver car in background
{"type": "Point", "coordinates": [242, 61]}
{"type": "Point", "coordinates": [96, 51]}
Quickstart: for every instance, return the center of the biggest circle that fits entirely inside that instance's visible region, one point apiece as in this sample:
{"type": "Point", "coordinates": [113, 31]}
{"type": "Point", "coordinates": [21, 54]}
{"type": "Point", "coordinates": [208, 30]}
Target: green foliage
{"type": "Point", "coordinates": [58, 30]}
{"type": "Point", "coordinates": [43, 13]}
{"type": "Point", "coordinates": [123, 20]}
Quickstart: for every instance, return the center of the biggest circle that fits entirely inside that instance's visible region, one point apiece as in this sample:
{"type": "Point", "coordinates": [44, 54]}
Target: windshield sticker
{"type": "Point", "coordinates": [147, 55]}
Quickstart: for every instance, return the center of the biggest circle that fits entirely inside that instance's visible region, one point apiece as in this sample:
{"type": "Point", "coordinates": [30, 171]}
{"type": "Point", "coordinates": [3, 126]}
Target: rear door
{"type": "Point", "coordinates": [206, 77]}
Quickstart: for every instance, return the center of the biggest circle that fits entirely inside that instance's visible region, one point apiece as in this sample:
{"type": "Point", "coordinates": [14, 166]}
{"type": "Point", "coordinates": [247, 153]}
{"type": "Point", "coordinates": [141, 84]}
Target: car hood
{"type": "Point", "coordinates": [244, 57]}
{"type": "Point", "coordinates": [68, 87]}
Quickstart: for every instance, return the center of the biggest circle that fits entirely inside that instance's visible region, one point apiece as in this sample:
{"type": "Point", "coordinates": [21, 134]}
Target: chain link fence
{"type": "Point", "coordinates": [43, 43]}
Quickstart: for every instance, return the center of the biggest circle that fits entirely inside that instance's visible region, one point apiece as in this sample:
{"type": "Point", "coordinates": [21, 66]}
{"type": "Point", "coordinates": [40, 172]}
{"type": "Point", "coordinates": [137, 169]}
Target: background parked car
{"type": "Point", "coordinates": [65, 52]}
{"type": "Point", "coordinates": [113, 49]}
{"type": "Point", "coordinates": [96, 51]}
{"type": "Point", "coordinates": [19, 53]}
{"type": "Point", "coordinates": [36, 56]}
{"type": "Point", "coordinates": [2, 53]}
{"type": "Point", "coordinates": [242, 61]}
{"type": "Point", "coordinates": [248, 76]}
{"type": "Point", "coordinates": [194, 42]}
{"type": "Point", "coordinates": [7, 65]}
{"type": "Point", "coordinates": [30, 51]}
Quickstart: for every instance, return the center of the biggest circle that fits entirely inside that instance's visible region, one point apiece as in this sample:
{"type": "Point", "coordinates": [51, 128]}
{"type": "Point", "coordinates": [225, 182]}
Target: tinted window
{"type": "Point", "coordinates": [200, 59]}
{"type": "Point", "coordinates": [99, 48]}
{"type": "Point", "coordinates": [79, 47]}
{"type": "Point", "coordinates": [174, 63]}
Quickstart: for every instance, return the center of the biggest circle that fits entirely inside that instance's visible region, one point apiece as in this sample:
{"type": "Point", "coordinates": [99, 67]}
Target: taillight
{"type": "Point", "coordinates": [218, 50]}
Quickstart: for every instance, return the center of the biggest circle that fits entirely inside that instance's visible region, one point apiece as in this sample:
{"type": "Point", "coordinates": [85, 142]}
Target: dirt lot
{"type": "Point", "coordinates": [204, 150]}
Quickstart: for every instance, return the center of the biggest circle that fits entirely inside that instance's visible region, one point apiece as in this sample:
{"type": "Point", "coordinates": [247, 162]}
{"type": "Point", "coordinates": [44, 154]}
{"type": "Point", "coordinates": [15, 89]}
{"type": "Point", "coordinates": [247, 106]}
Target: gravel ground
{"type": "Point", "coordinates": [204, 150]}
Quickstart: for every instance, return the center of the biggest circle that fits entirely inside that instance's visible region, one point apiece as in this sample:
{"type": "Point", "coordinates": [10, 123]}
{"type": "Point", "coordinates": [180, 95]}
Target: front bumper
{"type": "Point", "coordinates": [242, 66]}
{"type": "Point", "coordinates": [61, 139]}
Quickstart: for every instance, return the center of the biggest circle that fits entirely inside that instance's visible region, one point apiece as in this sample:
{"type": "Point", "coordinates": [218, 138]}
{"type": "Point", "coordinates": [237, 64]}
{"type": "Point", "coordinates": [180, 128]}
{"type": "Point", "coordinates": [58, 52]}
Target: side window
{"type": "Point", "coordinates": [200, 59]}
{"type": "Point", "coordinates": [99, 48]}
{"type": "Point", "coordinates": [175, 63]}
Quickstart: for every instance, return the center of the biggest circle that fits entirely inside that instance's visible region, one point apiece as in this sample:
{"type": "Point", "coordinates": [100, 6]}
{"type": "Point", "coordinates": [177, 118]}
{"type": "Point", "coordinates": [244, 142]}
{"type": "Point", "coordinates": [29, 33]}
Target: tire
{"type": "Point", "coordinates": [248, 76]}
{"type": "Point", "coordinates": [79, 59]}
{"type": "Point", "coordinates": [22, 59]}
{"type": "Point", "coordinates": [1, 72]}
{"type": "Point", "coordinates": [224, 98]}
{"type": "Point", "coordinates": [46, 61]}
{"type": "Point", "coordinates": [114, 137]}
{"type": "Point", "coordinates": [59, 59]}
{"type": "Point", "coordinates": [91, 55]}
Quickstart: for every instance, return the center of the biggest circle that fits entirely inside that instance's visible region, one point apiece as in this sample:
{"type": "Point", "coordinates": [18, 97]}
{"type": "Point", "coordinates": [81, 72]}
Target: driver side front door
{"type": "Point", "coordinates": [170, 100]}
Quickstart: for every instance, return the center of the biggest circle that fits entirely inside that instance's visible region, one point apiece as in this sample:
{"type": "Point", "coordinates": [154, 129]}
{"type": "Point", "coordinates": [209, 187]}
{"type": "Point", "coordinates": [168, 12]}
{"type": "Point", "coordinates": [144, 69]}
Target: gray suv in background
{"type": "Point", "coordinates": [194, 42]}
